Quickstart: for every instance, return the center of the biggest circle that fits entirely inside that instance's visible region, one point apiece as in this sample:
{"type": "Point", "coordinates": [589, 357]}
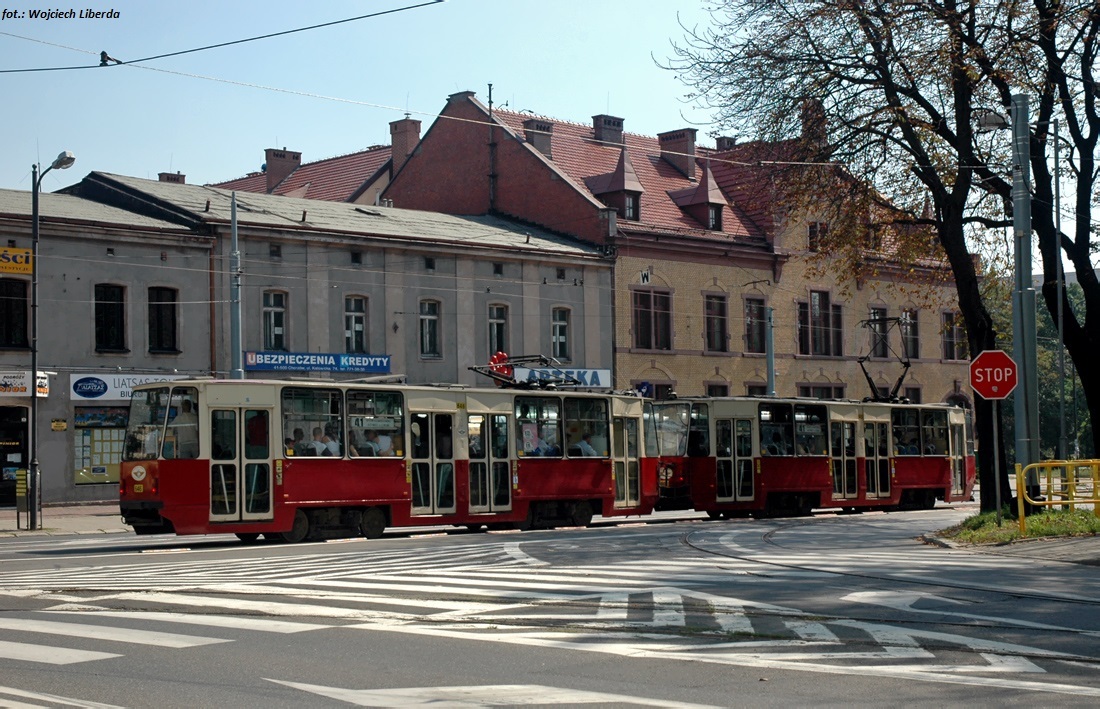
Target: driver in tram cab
{"type": "Point", "coordinates": [186, 427]}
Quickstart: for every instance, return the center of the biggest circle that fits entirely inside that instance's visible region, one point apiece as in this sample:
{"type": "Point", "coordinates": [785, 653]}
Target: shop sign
{"type": "Point", "coordinates": [112, 387]}
{"type": "Point", "coordinates": [18, 383]}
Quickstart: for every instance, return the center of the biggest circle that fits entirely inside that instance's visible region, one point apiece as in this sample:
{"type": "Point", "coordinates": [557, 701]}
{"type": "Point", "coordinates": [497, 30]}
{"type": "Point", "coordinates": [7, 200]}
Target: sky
{"type": "Point", "coordinates": [323, 92]}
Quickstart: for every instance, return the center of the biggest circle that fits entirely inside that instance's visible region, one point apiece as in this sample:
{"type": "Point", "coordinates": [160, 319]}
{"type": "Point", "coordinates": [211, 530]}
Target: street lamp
{"type": "Point", "coordinates": [63, 161]}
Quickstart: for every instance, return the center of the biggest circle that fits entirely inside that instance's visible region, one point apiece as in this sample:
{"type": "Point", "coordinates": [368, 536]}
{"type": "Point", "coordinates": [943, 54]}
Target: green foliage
{"type": "Point", "coordinates": [982, 528]}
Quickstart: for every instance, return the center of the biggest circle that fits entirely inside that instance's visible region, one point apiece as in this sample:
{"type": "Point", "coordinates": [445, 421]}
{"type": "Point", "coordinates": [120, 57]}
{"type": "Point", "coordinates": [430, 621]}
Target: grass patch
{"type": "Point", "coordinates": [982, 528]}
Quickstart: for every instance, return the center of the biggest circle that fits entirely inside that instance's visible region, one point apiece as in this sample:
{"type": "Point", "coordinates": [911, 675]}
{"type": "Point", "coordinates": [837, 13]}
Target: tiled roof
{"type": "Point", "coordinates": [576, 152]}
{"type": "Point", "coordinates": [335, 179]}
{"type": "Point", "coordinates": [325, 218]}
{"type": "Point", "coordinates": [747, 175]}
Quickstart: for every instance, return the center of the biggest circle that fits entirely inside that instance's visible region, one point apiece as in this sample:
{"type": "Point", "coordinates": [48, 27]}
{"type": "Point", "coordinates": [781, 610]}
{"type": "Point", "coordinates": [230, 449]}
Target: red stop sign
{"type": "Point", "coordinates": [993, 374]}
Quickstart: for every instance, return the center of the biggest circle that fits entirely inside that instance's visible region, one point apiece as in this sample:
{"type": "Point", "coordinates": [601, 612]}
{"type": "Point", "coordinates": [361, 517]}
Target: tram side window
{"type": "Point", "coordinates": [934, 428]}
{"type": "Point", "coordinates": [223, 435]}
{"type": "Point", "coordinates": [182, 438]}
{"type": "Point", "coordinates": [906, 425]}
{"type": "Point", "coordinates": [313, 421]}
{"type": "Point", "coordinates": [699, 432]}
{"type": "Point", "coordinates": [148, 410]}
{"type": "Point", "coordinates": [776, 429]}
{"type": "Point", "coordinates": [811, 429]}
{"type": "Point", "coordinates": [538, 426]}
{"type": "Point", "coordinates": [586, 427]}
{"type": "Point", "coordinates": [376, 423]}
{"type": "Point", "coordinates": [666, 428]}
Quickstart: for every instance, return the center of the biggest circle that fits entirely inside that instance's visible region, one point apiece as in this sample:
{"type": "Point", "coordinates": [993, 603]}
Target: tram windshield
{"type": "Point", "coordinates": [666, 428]}
{"type": "Point", "coordinates": [148, 410]}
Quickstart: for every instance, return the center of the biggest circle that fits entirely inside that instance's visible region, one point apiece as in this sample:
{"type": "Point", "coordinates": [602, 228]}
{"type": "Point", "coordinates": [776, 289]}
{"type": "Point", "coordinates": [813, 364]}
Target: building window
{"type": "Point", "coordinates": [498, 269]}
{"type": "Point", "coordinates": [357, 258]}
{"type": "Point", "coordinates": [560, 345]}
{"type": "Point", "coordinates": [819, 327]}
{"type": "Point", "coordinates": [275, 250]}
{"type": "Point", "coordinates": [430, 347]}
{"type": "Point", "coordinates": [162, 320]}
{"type": "Point", "coordinates": [912, 394]}
{"type": "Point", "coordinates": [910, 334]}
{"type": "Point", "coordinates": [879, 343]}
{"type": "Point", "coordinates": [717, 327]}
{"type": "Point", "coordinates": [755, 324]}
{"type": "Point", "coordinates": [274, 320]}
{"type": "Point", "coordinates": [820, 391]}
{"type": "Point", "coordinates": [756, 389]}
{"type": "Point", "coordinates": [718, 389]}
{"type": "Point", "coordinates": [110, 317]}
{"type": "Point", "coordinates": [498, 329]}
{"type": "Point", "coordinates": [13, 313]}
{"type": "Point", "coordinates": [652, 320]}
{"type": "Point", "coordinates": [815, 234]}
{"type": "Point", "coordinates": [714, 217]}
{"type": "Point", "coordinates": [954, 337]}
{"type": "Point", "coordinates": [355, 325]}
{"type": "Point", "coordinates": [631, 206]}
{"type": "Point", "coordinates": [429, 263]}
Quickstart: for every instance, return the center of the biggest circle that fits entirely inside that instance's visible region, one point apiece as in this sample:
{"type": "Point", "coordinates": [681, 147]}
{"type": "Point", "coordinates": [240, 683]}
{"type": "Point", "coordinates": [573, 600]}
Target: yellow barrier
{"type": "Point", "coordinates": [1067, 483]}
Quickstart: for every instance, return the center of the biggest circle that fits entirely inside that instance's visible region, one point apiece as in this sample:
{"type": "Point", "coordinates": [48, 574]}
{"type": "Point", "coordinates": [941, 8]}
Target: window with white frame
{"type": "Point", "coordinates": [954, 337]}
{"type": "Point", "coordinates": [716, 323]}
{"type": "Point", "coordinates": [880, 346]}
{"type": "Point", "coordinates": [910, 333]}
{"type": "Point", "coordinates": [274, 315]}
{"type": "Point", "coordinates": [560, 345]}
{"type": "Point", "coordinates": [819, 326]}
{"type": "Point", "coordinates": [355, 325]}
{"type": "Point", "coordinates": [652, 319]}
{"type": "Point", "coordinates": [430, 335]}
{"type": "Point", "coordinates": [498, 328]}
{"type": "Point", "coordinates": [756, 320]}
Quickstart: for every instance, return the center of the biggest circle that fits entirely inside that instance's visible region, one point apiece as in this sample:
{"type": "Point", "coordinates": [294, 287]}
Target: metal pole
{"type": "Point", "coordinates": [769, 347]}
{"type": "Point", "coordinates": [32, 471]}
{"type": "Point", "coordinates": [997, 457]}
{"type": "Point", "coordinates": [1025, 403]}
{"type": "Point", "coordinates": [1062, 455]}
{"type": "Point", "coordinates": [236, 344]}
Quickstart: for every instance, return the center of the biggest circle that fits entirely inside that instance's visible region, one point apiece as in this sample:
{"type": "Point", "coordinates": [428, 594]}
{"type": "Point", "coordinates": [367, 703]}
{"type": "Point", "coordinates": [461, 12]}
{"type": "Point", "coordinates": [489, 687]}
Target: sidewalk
{"type": "Point", "coordinates": [94, 518]}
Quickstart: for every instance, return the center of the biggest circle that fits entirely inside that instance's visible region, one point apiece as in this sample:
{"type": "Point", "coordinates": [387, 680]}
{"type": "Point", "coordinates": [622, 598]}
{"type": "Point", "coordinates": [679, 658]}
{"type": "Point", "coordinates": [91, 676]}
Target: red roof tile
{"type": "Point", "coordinates": [335, 179]}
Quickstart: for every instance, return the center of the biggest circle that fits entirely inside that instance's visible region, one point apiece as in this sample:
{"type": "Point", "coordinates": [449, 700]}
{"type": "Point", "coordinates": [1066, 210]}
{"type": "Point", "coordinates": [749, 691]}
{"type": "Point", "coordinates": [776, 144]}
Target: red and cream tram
{"type": "Point", "coordinates": [764, 456]}
{"type": "Point", "coordinates": [297, 460]}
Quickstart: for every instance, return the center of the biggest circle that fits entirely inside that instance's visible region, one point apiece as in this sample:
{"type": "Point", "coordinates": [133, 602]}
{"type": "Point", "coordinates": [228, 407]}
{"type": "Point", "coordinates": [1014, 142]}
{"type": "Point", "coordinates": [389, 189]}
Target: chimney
{"type": "Point", "coordinates": [609, 129]}
{"type": "Point", "coordinates": [813, 122]}
{"type": "Point", "coordinates": [278, 164]}
{"type": "Point", "coordinates": [175, 177]}
{"type": "Point", "coordinates": [538, 133]}
{"type": "Point", "coordinates": [678, 149]}
{"type": "Point", "coordinates": [726, 142]}
{"type": "Point", "coordinates": [404, 137]}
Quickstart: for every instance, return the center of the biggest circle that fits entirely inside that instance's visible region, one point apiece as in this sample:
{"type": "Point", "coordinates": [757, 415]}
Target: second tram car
{"type": "Point", "coordinates": [765, 456]}
{"type": "Point", "coordinates": [296, 460]}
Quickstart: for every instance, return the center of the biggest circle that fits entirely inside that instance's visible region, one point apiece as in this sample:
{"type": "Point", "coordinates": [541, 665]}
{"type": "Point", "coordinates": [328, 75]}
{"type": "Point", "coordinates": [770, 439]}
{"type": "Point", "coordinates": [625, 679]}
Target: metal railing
{"type": "Point", "coordinates": [1061, 483]}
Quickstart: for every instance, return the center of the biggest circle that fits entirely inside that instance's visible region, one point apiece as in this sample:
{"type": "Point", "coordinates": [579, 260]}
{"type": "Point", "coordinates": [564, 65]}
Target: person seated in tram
{"type": "Point", "coordinates": [332, 443]}
{"type": "Point", "coordinates": [778, 446]}
{"type": "Point", "coordinates": [585, 445]}
{"type": "Point", "coordinates": [299, 444]}
{"type": "Point", "coordinates": [381, 443]}
{"type": "Point", "coordinates": [318, 446]}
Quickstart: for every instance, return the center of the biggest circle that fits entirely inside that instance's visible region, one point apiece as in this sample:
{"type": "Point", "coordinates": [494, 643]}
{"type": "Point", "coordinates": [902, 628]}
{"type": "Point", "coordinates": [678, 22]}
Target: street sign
{"type": "Point", "coordinates": [993, 374]}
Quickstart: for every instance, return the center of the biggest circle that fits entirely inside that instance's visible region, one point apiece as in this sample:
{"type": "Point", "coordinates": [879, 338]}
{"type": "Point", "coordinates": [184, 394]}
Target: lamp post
{"type": "Point", "coordinates": [63, 161]}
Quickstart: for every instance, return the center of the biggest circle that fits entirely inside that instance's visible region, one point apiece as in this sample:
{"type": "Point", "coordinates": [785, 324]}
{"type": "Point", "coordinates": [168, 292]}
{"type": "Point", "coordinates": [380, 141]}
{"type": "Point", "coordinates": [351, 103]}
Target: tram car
{"type": "Point", "coordinates": [735, 456]}
{"type": "Point", "coordinates": [295, 460]}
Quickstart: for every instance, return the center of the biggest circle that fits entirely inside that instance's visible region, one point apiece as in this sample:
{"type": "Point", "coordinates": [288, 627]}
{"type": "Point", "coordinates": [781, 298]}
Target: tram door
{"type": "Point", "coordinates": [625, 448]}
{"type": "Point", "coordinates": [240, 465]}
{"type": "Point", "coordinates": [876, 454]}
{"type": "Point", "coordinates": [734, 465]}
{"type": "Point", "coordinates": [433, 466]}
{"type": "Point", "coordinates": [958, 459]}
{"type": "Point", "coordinates": [845, 484]}
{"type": "Point", "coordinates": [490, 488]}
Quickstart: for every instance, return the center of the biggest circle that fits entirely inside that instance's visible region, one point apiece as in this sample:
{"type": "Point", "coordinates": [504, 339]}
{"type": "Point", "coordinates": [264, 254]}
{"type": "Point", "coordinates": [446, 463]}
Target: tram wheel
{"type": "Point", "coordinates": [582, 514]}
{"type": "Point", "coordinates": [475, 528]}
{"type": "Point", "coordinates": [714, 514]}
{"type": "Point", "coordinates": [373, 523]}
{"type": "Point", "coordinates": [299, 531]}
{"type": "Point", "coordinates": [248, 537]}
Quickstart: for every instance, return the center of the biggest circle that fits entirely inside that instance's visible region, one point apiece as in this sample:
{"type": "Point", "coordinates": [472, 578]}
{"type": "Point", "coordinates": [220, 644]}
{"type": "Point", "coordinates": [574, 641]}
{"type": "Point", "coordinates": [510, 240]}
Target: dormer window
{"type": "Point", "coordinates": [714, 217]}
{"type": "Point", "coordinates": [631, 206]}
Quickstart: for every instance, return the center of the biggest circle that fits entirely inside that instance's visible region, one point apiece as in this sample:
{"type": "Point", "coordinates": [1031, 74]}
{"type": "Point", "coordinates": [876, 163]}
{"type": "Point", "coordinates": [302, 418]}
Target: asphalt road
{"type": "Point", "coordinates": [829, 610]}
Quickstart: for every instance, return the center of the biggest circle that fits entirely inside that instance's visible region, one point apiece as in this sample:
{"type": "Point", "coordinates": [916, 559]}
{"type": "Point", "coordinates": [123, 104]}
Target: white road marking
{"type": "Point", "coordinates": [106, 632]}
{"type": "Point", "coordinates": [49, 655]}
{"type": "Point", "coordinates": [53, 698]}
{"type": "Point", "coordinates": [479, 696]}
{"type": "Point", "coordinates": [218, 621]}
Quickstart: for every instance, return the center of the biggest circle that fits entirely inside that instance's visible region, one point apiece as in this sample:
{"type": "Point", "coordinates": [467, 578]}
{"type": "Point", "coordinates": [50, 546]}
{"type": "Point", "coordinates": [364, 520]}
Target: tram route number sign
{"type": "Point", "coordinates": [993, 374]}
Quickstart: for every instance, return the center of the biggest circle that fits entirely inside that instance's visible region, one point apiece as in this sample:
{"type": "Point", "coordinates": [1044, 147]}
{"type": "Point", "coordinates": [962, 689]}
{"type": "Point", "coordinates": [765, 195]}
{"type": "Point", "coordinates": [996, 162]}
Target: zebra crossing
{"type": "Point", "coordinates": [491, 593]}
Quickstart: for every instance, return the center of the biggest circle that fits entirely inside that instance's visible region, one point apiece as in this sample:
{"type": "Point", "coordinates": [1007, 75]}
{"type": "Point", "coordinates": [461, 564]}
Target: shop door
{"type": "Point", "coordinates": [433, 467]}
{"type": "Point", "coordinates": [733, 442]}
{"type": "Point", "coordinates": [845, 483]}
{"type": "Point", "coordinates": [625, 459]}
{"type": "Point", "coordinates": [13, 449]}
{"type": "Point", "coordinates": [490, 485]}
{"type": "Point", "coordinates": [876, 459]}
{"type": "Point", "coordinates": [240, 465]}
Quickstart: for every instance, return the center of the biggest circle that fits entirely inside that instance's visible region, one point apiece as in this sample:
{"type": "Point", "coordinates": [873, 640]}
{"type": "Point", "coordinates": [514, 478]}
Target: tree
{"type": "Point", "coordinates": [900, 86]}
